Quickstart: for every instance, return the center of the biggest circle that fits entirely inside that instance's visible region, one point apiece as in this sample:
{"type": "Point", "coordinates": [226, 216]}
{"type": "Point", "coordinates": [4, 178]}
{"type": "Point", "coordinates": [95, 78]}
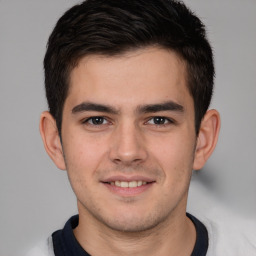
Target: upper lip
{"type": "Point", "coordinates": [128, 178]}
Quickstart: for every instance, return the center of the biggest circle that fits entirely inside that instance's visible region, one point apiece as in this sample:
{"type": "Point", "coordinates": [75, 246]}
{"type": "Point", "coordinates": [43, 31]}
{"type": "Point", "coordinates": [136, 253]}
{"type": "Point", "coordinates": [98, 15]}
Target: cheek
{"type": "Point", "coordinates": [83, 154]}
{"type": "Point", "coordinates": [174, 154]}
{"type": "Point", "coordinates": [82, 158]}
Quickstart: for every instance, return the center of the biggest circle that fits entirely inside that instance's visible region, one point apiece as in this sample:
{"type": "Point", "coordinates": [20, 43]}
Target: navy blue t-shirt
{"type": "Point", "coordinates": [65, 243]}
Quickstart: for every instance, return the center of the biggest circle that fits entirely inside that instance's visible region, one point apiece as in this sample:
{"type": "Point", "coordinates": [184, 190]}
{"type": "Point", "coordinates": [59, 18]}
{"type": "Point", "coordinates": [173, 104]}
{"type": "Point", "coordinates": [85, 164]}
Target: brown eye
{"type": "Point", "coordinates": [96, 120]}
{"type": "Point", "coordinates": [159, 120]}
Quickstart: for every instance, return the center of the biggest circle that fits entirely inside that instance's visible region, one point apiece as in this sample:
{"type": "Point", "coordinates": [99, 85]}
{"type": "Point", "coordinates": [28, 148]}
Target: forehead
{"type": "Point", "coordinates": [144, 75]}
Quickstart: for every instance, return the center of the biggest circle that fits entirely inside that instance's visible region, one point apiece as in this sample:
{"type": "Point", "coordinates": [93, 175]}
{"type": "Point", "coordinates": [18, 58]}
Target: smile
{"type": "Point", "coordinates": [126, 184]}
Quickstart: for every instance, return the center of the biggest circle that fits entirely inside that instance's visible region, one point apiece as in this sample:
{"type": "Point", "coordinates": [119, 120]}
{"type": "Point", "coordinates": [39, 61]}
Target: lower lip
{"type": "Point", "coordinates": [128, 191]}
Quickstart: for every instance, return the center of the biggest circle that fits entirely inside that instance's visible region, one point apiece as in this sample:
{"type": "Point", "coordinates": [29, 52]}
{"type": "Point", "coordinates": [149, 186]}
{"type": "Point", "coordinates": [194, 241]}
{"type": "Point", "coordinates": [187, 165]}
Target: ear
{"type": "Point", "coordinates": [51, 139]}
{"type": "Point", "coordinates": [207, 138]}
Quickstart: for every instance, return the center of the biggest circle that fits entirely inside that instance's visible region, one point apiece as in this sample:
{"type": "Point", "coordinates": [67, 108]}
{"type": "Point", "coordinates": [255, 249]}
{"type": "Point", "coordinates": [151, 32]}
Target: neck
{"type": "Point", "coordinates": [173, 236]}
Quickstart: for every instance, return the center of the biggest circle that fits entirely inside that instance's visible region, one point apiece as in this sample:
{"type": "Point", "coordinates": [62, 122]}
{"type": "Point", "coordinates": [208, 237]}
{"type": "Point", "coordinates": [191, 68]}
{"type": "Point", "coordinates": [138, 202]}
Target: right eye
{"type": "Point", "coordinates": [95, 120]}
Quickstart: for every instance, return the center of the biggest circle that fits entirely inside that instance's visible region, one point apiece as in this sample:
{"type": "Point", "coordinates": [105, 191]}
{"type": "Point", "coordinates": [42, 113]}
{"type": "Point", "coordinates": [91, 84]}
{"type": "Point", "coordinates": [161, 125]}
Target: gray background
{"type": "Point", "coordinates": [35, 197]}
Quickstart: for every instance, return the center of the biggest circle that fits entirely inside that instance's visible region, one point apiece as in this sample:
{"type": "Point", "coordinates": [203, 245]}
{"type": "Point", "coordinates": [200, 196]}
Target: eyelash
{"type": "Point", "coordinates": [90, 120]}
{"type": "Point", "coordinates": [158, 121]}
{"type": "Point", "coordinates": [166, 120]}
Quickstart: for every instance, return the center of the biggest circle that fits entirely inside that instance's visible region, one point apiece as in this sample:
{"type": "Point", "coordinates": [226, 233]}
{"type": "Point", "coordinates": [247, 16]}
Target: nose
{"type": "Point", "coordinates": [127, 145]}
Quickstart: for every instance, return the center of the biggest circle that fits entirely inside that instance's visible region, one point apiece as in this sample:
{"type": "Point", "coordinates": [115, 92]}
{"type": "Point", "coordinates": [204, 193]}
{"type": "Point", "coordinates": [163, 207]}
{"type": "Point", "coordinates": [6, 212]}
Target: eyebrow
{"type": "Point", "coordinates": [87, 106]}
{"type": "Point", "coordinates": [166, 106]}
{"type": "Point", "coordinates": [150, 108]}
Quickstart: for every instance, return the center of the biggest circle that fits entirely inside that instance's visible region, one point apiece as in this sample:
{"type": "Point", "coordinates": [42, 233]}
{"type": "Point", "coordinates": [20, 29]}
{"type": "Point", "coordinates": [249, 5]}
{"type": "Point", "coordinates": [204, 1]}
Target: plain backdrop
{"type": "Point", "coordinates": [35, 197]}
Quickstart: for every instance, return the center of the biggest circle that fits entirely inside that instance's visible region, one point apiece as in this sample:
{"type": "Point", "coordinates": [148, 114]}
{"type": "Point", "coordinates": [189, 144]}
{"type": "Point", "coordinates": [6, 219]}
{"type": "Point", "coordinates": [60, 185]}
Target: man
{"type": "Point", "coordinates": [128, 85]}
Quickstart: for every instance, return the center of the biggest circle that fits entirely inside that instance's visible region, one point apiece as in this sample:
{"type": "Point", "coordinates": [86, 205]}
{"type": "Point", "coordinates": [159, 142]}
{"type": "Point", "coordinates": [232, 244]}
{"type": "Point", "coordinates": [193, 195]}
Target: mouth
{"type": "Point", "coordinates": [128, 184]}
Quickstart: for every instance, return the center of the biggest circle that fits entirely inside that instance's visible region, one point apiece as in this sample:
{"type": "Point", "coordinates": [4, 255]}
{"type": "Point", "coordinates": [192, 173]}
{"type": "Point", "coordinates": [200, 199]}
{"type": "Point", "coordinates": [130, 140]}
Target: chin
{"type": "Point", "coordinates": [133, 223]}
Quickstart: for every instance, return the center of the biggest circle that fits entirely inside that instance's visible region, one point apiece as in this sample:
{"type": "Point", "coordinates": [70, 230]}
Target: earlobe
{"type": "Point", "coordinates": [207, 138]}
{"type": "Point", "coordinates": [51, 139]}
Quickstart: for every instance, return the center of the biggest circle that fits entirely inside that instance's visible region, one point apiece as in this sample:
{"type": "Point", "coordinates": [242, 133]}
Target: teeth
{"type": "Point", "coordinates": [125, 184]}
{"type": "Point", "coordinates": [133, 184]}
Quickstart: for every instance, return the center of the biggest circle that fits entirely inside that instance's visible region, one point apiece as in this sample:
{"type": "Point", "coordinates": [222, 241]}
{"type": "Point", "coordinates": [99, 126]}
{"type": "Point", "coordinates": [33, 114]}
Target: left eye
{"type": "Point", "coordinates": [97, 120]}
{"type": "Point", "coordinates": [159, 120]}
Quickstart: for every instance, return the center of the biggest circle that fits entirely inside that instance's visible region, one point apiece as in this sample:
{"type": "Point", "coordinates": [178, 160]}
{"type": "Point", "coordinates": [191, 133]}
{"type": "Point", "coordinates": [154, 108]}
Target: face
{"type": "Point", "coordinates": [128, 136]}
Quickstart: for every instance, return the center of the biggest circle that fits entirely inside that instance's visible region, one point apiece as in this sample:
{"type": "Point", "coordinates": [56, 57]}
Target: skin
{"type": "Point", "coordinates": [131, 117]}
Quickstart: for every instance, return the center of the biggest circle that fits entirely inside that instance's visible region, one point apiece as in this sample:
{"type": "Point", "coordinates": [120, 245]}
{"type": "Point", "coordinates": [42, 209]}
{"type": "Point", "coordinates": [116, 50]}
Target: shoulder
{"type": "Point", "coordinates": [44, 248]}
{"type": "Point", "coordinates": [230, 236]}
{"type": "Point", "coordinates": [230, 233]}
